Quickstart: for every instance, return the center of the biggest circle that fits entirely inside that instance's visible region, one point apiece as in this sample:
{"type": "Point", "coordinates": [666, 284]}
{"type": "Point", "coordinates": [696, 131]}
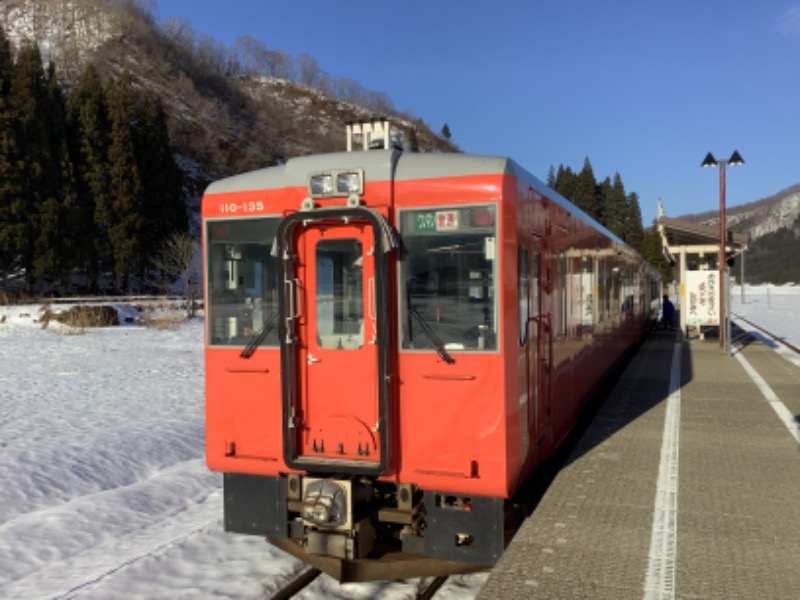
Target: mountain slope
{"type": "Point", "coordinates": [219, 124]}
{"type": "Point", "coordinates": [773, 225]}
{"type": "Point", "coordinates": [759, 218]}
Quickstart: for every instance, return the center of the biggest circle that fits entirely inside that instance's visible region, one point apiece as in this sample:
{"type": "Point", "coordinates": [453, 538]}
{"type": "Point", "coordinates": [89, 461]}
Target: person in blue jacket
{"type": "Point", "coordinates": [667, 312]}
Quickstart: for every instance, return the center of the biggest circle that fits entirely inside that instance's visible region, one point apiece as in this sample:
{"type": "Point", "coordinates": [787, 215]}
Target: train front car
{"type": "Point", "coordinates": [384, 362]}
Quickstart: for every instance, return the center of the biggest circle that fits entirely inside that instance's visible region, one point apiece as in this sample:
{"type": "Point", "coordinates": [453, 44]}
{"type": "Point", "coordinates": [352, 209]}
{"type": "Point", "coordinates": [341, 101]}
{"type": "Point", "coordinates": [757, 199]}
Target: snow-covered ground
{"type": "Point", "coordinates": [773, 308]}
{"type": "Point", "coordinates": [104, 492]}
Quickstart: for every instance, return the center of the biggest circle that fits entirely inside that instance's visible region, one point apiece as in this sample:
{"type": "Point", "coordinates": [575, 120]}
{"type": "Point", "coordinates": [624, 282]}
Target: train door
{"type": "Point", "coordinates": [541, 353]}
{"type": "Point", "coordinates": [333, 401]}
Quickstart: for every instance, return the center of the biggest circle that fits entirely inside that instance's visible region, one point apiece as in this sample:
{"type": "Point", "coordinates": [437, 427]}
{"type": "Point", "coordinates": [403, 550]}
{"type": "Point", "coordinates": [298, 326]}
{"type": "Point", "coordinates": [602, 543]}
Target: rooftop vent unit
{"type": "Point", "coordinates": [375, 134]}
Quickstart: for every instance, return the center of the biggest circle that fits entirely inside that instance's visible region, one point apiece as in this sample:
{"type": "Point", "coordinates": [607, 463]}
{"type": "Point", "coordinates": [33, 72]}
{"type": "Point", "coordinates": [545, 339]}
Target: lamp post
{"type": "Point", "coordinates": [710, 161]}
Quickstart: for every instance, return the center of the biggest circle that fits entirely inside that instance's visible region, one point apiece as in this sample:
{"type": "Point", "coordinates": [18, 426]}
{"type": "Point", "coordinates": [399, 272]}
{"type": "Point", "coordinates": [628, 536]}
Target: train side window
{"type": "Point", "coordinates": [601, 290]}
{"type": "Point", "coordinates": [242, 275]}
{"type": "Point", "coordinates": [523, 293]}
{"type": "Point", "coordinates": [536, 304]}
{"type": "Point", "coordinates": [616, 293]}
{"type": "Point", "coordinates": [576, 293]}
{"type": "Point", "coordinates": [564, 299]}
{"type": "Point", "coordinates": [587, 291]}
{"type": "Point", "coordinates": [448, 278]}
{"type": "Point", "coordinates": [628, 291]}
{"type": "Point", "coordinates": [608, 291]}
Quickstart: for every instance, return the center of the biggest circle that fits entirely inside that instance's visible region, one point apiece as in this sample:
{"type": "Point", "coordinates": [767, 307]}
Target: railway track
{"type": "Point", "coordinates": [769, 334]}
{"type": "Point", "coordinates": [297, 584]}
{"type": "Point", "coordinates": [145, 299]}
{"type": "Point", "coordinates": [306, 577]}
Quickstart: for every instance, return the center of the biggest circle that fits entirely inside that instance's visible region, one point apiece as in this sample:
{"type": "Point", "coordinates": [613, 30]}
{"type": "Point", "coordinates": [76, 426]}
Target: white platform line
{"type": "Point", "coordinates": [660, 581]}
{"type": "Point", "coordinates": [779, 407]}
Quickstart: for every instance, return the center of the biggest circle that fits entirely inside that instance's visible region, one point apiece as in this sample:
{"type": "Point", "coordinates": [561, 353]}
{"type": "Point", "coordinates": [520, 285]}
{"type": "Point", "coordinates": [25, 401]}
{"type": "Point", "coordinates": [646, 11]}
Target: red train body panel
{"type": "Point", "coordinates": [395, 340]}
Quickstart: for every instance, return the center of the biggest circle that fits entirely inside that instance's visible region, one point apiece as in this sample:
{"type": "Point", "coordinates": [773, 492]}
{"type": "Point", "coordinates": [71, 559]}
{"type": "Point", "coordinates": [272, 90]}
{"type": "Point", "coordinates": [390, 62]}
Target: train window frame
{"type": "Point", "coordinates": [563, 265]}
{"type": "Point", "coordinates": [579, 286]}
{"type": "Point", "coordinates": [617, 283]}
{"type": "Point", "coordinates": [338, 294]}
{"type": "Point", "coordinates": [588, 297]}
{"type": "Point", "coordinates": [479, 284]}
{"type": "Point", "coordinates": [607, 289]}
{"type": "Point", "coordinates": [237, 311]}
{"type": "Point", "coordinates": [536, 268]}
{"type": "Point", "coordinates": [523, 293]}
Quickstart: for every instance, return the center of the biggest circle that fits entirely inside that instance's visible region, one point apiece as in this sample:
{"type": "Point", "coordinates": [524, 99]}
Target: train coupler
{"type": "Point", "coordinates": [349, 545]}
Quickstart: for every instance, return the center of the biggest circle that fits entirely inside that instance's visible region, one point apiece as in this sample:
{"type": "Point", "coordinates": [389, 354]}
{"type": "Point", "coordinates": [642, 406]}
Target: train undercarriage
{"type": "Point", "coordinates": [360, 529]}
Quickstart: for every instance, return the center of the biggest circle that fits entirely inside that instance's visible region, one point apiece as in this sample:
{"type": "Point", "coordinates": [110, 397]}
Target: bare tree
{"type": "Point", "coordinates": [379, 102]}
{"type": "Point", "coordinates": [309, 71]}
{"type": "Point", "coordinates": [179, 268]}
{"type": "Point", "coordinates": [279, 65]}
{"type": "Point", "coordinates": [247, 49]}
{"type": "Point", "coordinates": [210, 55]}
{"type": "Point", "coordinates": [180, 33]}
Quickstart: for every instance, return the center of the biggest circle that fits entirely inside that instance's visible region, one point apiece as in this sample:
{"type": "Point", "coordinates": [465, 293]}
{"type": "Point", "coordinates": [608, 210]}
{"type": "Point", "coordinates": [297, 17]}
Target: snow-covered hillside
{"type": "Point", "coordinates": [66, 32]}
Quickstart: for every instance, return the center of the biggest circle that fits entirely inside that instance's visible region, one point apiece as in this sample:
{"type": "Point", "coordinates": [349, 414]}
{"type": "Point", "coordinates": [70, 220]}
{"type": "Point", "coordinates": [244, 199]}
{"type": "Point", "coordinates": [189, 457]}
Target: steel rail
{"type": "Point", "coordinates": [297, 584]}
{"type": "Point", "coordinates": [302, 581]}
{"type": "Point", "coordinates": [768, 333]}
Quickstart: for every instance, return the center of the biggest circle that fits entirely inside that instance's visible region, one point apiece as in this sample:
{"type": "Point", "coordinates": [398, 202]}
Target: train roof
{"type": "Point", "coordinates": [377, 166]}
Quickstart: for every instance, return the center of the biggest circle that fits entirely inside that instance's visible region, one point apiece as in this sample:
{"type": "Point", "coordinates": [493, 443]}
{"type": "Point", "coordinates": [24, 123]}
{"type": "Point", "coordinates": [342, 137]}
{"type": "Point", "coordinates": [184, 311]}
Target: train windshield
{"type": "Point", "coordinates": [448, 273]}
{"type": "Point", "coordinates": [242, 292]}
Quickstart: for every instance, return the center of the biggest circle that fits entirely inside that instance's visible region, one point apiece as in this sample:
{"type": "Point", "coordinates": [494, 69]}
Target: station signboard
{"type": "Point", "coordinates": [702, 298]}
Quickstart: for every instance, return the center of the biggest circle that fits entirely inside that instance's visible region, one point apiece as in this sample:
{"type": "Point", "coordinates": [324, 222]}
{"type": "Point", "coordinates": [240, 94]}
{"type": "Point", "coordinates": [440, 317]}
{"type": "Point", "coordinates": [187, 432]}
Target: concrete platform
{"type": "Point", "coordinates": [685, 485]}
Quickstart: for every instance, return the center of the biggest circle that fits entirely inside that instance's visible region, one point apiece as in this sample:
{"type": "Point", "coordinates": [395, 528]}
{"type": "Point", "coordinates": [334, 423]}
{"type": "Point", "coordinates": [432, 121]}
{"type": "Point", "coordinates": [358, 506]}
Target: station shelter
{"type": "Point", "coordinates": [695, 250]}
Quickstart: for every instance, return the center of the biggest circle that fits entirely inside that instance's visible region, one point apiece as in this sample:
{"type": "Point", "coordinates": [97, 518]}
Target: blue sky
{"type": "Point", "coordinates": [644, 88]}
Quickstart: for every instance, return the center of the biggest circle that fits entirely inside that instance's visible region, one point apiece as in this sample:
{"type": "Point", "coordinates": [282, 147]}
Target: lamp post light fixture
{"type": "Point", "coordinates": [710, 161]}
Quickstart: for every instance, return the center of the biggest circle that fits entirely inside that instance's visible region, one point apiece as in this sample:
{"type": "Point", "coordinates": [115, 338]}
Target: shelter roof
{"type": "Point", "coordinates": [677, 232]}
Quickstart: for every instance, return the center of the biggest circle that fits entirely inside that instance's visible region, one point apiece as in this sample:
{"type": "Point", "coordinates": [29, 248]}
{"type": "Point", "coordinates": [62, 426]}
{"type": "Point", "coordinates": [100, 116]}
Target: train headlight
{"type": "Point", "coordinates": [348, 183]}
{"type": "Point", "coordinates": [342, 184]}
{"type": "Point", "coordinates": [320, 184]}
{"type": "Point", "coordinates": [325, 503]}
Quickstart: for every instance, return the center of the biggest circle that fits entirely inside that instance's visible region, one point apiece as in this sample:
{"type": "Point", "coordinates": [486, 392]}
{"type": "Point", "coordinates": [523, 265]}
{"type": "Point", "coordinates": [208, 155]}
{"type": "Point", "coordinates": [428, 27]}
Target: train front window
{"type": "Point", "coordinates": [339, 286]}
{"type": "Point", "coordinates": [242, 291]}
{"type": "Point", "coordinates": [448, 273]}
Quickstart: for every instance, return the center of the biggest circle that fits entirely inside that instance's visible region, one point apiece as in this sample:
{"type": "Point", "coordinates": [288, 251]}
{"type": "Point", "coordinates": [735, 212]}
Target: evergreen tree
{"type": "Point", "coordinates": [632, 232]}
{"type": "Point", "coordinates": [446, 131]}
{"type": "Point", "coordinates": [126, 192]}
{"type": "Point", "coordinates": [164, 208]}
{"type": "Point", "coordinates": [413, 139]}
{"type": "Point", "coordinates": [585, 194]}
{"type": "Point", "coordinates": [32, 159]}
{"type": "Point", "coordinates": [772, 258]}
{"type": "Point", "coordinates": [566, 182]}
{"type": "Point", "coordinates": [551, 178]}
{"type": "Point", "coordinates": [88, 140]}
{"type": "Point", "coordinates": [8, 173]}
{"type": "Point", "coordinates": [52, 251]}
{"type": "Point", "coordinates": [6, 68]}
{"type": "Point", "coordinates": [607, 202]}
{"type": "Point", "coordinates": [88, 182]}
{"type": "Point", "coordinates": [559, 176]}
{"type": "Point", "coordinates": [616, 208]}
{"type": "Point", "coordinates": [604, 192]}
{"type": "Point", "coordinates": [651, 250]}
{"type": "Point", "coordinates": [146, 188]}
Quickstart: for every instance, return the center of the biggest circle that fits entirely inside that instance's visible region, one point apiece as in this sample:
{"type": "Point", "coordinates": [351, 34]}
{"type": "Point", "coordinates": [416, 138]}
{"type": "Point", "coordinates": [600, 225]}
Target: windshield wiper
{"type": "Point", "coordinates": [250, 349]}
{"type": "Point", "coordinates": [434, 339]}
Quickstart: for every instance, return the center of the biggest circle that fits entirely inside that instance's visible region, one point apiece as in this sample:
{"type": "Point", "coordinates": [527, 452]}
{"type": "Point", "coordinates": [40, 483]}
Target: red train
{"type": "Point", "coordinates": [394, 341]}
